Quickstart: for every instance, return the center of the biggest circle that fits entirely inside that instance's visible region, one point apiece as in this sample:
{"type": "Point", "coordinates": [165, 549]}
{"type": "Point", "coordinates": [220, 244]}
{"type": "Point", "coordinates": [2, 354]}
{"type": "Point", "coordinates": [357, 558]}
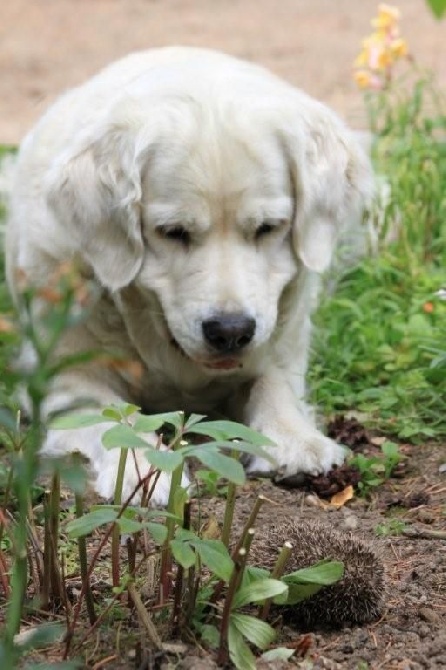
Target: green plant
{"type": "Point", "coordinates": [391, 527]}
{"type": "Point", "coordinates": [42, 333]}
{"type": "Point", "coordinates": [438, 7]}
{"type": "Point", "coordinates": [204, 583]}
{"type": "Point", "coordinates": [374, 470]}
{"type": "Point", "coordinates": [213, 602]}
{"type": "Point", "coordinates": [380, 339]}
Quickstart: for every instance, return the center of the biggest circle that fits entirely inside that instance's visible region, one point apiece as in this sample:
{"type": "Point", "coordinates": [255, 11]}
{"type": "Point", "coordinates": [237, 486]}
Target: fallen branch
{"type": "Point", "coordinates": [425, 534]}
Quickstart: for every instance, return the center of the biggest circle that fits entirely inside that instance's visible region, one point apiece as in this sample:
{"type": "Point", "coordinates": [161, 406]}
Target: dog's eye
{"type": "Point", "coordinates": [175, 233]}
{"type": "Point", "coordinates": [264, 229]}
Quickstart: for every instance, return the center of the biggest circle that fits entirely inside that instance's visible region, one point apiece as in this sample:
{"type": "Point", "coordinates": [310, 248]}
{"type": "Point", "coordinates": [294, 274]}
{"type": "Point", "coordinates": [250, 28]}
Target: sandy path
{"type": "Point", "coordinates": [49, 45]}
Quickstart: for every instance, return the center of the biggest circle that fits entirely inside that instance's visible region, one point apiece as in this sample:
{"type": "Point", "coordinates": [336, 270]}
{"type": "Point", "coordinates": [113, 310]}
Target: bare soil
{"type": "Point", "coordinates": [47, 46]}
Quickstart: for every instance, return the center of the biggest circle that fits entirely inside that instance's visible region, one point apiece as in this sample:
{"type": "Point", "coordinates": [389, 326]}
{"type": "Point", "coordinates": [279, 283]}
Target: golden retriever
{"type": "Point", "coordinates": [204, 196]}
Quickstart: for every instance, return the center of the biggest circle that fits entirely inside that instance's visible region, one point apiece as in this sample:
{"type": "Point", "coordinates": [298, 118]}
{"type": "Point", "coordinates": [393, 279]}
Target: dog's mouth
{"type": "Point", "coordinates": [223, 363]}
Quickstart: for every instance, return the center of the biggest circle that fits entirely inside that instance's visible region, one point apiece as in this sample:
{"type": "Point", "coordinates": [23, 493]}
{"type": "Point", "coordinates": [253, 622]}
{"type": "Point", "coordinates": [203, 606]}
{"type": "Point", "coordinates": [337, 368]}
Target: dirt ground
{"type": "Point", "coordinates": [49, 45]}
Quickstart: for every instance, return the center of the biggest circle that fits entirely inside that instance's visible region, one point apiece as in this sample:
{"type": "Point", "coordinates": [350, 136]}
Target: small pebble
{"type": "Point", "coordinates": [428, 614]}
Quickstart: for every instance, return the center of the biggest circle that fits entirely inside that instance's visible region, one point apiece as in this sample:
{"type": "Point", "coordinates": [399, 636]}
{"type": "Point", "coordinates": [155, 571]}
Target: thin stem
{"type": "Point", "coordinates": [276, 573]}
{"type": "Point", "coordinates": [116, 535]}
{"type": "Point", "coordinates": [229, 510]}
{"type": "Point", "coordinates": [166, 556]}
{"type": "Point", "coordinates": [249, 523]}
{"type": "Point", "coordinates": [83, 561]}
{"type": "Point", "coordinates": [239, 565]}
{"type": "Point", "coordinates": [178, 594]}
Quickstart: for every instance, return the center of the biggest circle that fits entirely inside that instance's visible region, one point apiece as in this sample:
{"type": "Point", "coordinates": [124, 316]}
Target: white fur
{"type": "Point", "coordinates": [195, 138]}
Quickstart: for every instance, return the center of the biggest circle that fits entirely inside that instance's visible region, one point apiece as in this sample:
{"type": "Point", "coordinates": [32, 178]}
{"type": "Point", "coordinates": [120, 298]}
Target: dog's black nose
{"type": "Point", "coordinates": [228, 333]}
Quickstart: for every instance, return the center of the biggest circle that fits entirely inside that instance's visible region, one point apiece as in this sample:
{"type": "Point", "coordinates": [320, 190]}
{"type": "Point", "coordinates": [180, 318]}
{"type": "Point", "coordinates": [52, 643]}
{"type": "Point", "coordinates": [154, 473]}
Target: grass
{"type": "Point", "coordinates": [380, 340]}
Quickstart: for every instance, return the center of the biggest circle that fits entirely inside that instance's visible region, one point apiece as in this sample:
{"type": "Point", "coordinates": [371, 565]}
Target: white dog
{"type": "Point", "coordinates": [204, 196]}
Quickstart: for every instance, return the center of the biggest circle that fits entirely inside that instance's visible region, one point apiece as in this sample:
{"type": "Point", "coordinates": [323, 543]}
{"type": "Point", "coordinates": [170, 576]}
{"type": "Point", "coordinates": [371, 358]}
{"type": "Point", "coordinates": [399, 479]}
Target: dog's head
{"type": "Point", "coordinates": [214, 203]}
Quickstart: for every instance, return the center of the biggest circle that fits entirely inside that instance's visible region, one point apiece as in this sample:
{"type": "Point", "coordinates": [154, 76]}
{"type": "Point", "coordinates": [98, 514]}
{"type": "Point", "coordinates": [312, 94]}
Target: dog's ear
{"type": "Point", "coordinates": [94, 189]}
{"type": "Point", "coordinates": [332, 178]}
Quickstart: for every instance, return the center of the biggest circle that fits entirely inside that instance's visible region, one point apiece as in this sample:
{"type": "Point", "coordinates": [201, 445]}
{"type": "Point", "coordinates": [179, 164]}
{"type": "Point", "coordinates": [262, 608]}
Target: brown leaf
{"type": "Point", "coordinates": [339, 499]}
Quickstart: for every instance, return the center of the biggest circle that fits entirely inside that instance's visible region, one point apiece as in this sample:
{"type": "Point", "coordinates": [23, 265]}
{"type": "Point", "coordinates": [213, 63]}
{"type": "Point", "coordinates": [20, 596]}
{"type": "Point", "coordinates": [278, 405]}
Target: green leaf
{"type": "Point", "coordinates": [89, 522]}
{"type": "Point", "coordinates": [130, 409]}
{"type": "Point", "coordinates": [225, 466]}
{"type": "Point", "coordinates": [112, 414]}
{"type": "Point", "coordinates": [322, 573]}
{"type": "Point", "coordinates": [130, 526]}
{"type": "Point", "coordinates": [148, 424]}
{"type": "Point", "coordinates": [239, 652]}
{"type": "Point", "coordinates": [297, 593]}
{"type": "Point", "coordinates": [74, 475]}
{"type": "Point", "coordinates": [252, 574]}
{"type": "Point", "coordinates": [237, 446]}
{"type": "Point", "coordinates": [123, 437]}
{"type": "Point", "coordinates": [229, 430]}
{"type": "Point", "coordinates": [158, 531]}
{"type": "Point", "coordinates": [77, 421]}
{"type": "Point", "coordinates": [258, 632]}
{"type": "Point", "coordinates": [8, 420]}
{"type": "Point", "coordinates": [258, 591]}
{"type": "Point", "coordinates": [182, 553]}
{"type": "Point", "coordinates": [438, 7]}
{"type": "Point", "coordinates": [180, 498]}
{"type": "Point", "coordinates": [215, 556]}
{"type": "Point", "coordinates": [167, 461]}
{"type": "Point", "coordinates": [279, 654]}
{"type": "Point", "coordinates": [210, 635]}
{"type": "Point", "coordinates": [193, 419]}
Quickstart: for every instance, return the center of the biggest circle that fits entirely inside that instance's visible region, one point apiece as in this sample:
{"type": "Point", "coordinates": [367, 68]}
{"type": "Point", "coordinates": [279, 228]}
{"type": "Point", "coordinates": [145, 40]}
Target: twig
{"type": "Point", "coordinates": [425, 534]}
{"type": "Point", "coordinates": [144, 618]}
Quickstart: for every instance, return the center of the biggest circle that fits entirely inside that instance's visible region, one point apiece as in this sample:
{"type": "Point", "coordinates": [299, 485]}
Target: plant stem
{"type": "Point", "coordinates": [26, 469]}
{"type": "Point", "coordinates": [276, 573]}
{"type": "Point", "coordinates": [249, 524]}
{"type": "Point", "coordinates": [178, 595]}
{"type": "Point", "coordinates": [239, 565]}
{"type": "Point", "coordinates": [116, 535]}
{"type": "Point", "coordinates": [229, 511]}
{"type": "Point", "coordinates": [166, 556]}
{"type": "Point", "coordinates": [83, 561]}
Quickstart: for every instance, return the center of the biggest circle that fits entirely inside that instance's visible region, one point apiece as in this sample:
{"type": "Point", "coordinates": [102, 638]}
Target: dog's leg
{"type": "Point", "coordinates": [274, 409]}
{"type": "Point", "coordinates": [88, 441]}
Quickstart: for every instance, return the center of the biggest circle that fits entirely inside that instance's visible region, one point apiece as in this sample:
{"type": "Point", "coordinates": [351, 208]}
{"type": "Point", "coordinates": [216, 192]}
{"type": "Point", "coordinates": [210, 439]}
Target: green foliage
{"type": "Point", "coordinates": [380, 340]}
{"type": "Point", "coordinates": [374, 470]}
{"type": "Point", "coordinates": [438, 7]}
{"type": "Point", "coordinates": [390, 528]}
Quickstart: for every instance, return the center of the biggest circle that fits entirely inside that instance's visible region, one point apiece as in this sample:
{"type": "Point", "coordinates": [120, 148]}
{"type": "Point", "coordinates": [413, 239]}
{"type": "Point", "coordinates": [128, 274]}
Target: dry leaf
{"type": "Point", "coordinates": [339, 499]}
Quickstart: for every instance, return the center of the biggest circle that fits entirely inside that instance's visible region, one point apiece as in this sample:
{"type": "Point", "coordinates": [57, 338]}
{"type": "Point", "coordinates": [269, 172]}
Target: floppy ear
{"type": "Point", "coordinates": [332, 178]}
{"type": "Point", "coordinates": [94, 189]}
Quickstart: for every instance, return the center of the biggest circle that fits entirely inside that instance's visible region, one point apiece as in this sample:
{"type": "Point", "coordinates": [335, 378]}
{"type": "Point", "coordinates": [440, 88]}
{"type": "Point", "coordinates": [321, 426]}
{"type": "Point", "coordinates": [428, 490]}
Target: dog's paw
{"type": "Point", "coordinates": [303, 450]}
{"type": "Point", "coordinates": [104, 463]}
{"type": "Point", "coordinates": [137, 468]}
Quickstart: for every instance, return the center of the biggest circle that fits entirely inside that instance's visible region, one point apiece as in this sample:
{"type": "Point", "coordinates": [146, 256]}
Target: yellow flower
{"type": "Point", "coordinates": [388, 17]}
{"type": "Point", "coordinates": [361, 59]}
{"type": "Point", "coordinates": [363, 78]}
{"type": "Point", "coordinates": [399, 48]}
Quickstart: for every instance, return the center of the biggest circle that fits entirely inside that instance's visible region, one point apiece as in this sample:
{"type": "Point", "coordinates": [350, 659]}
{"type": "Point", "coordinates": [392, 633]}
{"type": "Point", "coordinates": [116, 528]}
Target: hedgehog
{"type": "Point", "coordinates": [356, 599]}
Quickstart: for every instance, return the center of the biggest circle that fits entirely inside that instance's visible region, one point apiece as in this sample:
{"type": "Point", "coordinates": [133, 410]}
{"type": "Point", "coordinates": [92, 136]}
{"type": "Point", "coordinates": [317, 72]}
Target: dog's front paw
{"type": "Point", "coordinates": [298, 451]}
{"type": "Point", "coordinates": [137, 468]}
{"type": "Point", "coordinates": [104, 464]}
